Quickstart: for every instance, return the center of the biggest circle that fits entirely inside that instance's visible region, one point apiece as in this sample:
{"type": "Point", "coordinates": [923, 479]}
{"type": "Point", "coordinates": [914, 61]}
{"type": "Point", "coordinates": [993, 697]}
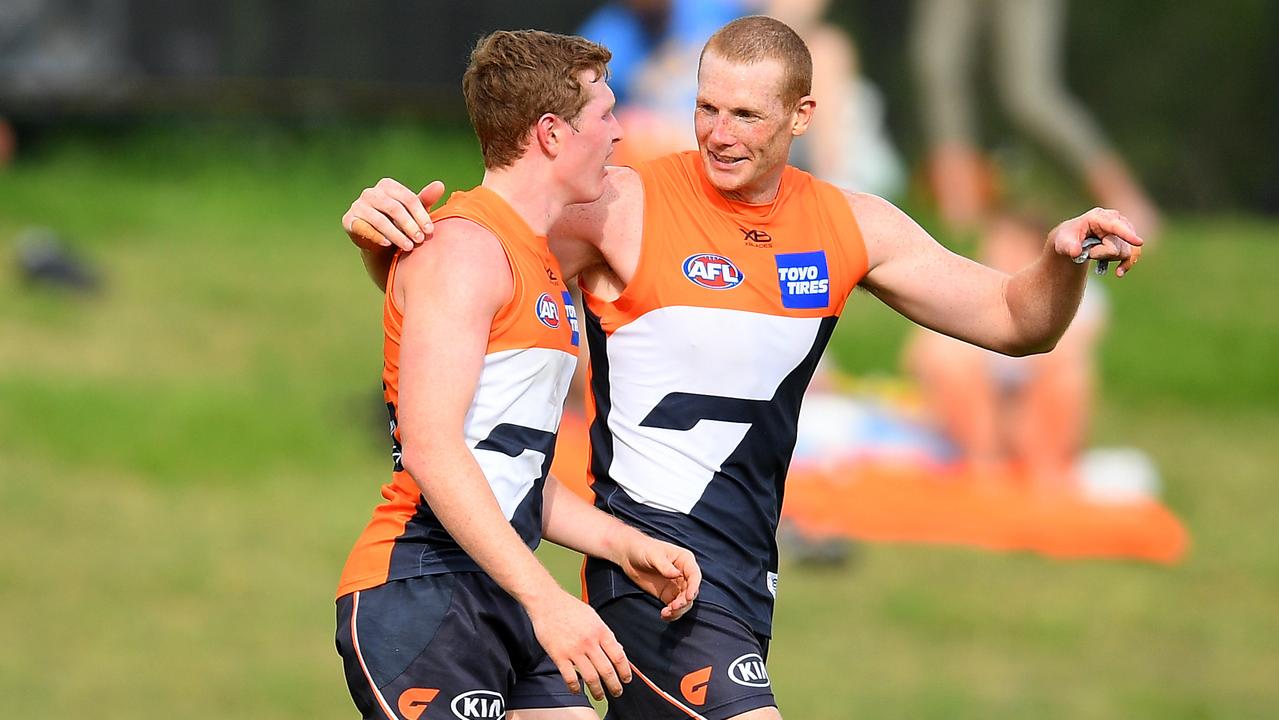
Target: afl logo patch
{"type": "Point", "coordinates": [548, 311]}
{"type": "Point", "coordinates": [712, 271]}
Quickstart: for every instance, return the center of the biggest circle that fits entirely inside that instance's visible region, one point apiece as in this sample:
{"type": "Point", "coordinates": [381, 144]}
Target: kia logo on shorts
{"type": "Point", "coordinates": [547, 311]}
{"type": "Point", "coordinates": [479, 705]}
{"type": "Point", "coordinates": [749, 670]}
{"type": "Point", "coordinates": [712, 271]}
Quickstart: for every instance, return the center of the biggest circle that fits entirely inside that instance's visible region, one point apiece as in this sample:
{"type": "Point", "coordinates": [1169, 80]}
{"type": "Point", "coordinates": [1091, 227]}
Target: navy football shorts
{"type": "Point", "coordinates": [454, 642]}
{"type": "Point", "coordinates": [708, 664]}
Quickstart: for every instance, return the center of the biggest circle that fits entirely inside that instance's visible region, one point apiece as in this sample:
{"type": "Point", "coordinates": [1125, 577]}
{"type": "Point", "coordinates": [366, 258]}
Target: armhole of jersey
{"type": "Point", "coordinates": [627, 296]}
{"type": "Point", "coordinates": [505, 315]}
{"type": "Point", "coordinates": [397, 310]}
{"type": "Point", "coordinates": [851, 245]}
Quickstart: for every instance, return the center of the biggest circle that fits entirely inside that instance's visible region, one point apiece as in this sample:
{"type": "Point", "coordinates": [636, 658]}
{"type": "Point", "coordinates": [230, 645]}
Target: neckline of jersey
{"type": "Point", "coordinates": [755, 213]}
{"type": "Point", "coordinates": [502, 206]}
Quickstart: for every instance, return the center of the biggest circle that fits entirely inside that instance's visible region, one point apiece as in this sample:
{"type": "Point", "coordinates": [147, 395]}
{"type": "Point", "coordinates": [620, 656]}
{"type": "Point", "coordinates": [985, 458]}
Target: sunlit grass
{"type": "Point", "coordinates": [186, 457]}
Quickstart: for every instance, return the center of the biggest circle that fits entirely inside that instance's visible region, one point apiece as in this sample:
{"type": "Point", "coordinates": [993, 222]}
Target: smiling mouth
{"type": "Point", "coordinates": [723, 160]}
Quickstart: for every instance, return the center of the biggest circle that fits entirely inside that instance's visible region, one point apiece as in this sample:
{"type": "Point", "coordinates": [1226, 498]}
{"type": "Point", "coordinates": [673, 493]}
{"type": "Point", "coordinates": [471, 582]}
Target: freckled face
{"type": "Point", "coordinates": [744, 131]}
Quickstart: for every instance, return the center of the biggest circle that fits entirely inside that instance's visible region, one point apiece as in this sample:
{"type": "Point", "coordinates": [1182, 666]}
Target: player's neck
{"type": "Point", "coordinates": [529, 193]}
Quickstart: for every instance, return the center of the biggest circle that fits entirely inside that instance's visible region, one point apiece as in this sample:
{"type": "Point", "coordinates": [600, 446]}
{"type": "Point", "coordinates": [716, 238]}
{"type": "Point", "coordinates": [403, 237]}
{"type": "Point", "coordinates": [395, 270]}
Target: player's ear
{"type": "Point", "coordinates": [803, 115]}
{"type": "Point", "coordinates": [549, 134]}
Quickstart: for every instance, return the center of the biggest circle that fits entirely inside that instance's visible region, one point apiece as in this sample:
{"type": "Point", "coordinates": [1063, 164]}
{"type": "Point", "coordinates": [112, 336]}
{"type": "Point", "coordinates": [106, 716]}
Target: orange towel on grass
{"type": "Point", "coordinates": [907, 501]}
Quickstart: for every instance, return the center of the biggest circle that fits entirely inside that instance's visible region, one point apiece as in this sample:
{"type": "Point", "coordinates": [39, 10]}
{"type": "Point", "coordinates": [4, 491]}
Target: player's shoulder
{"type": "Point", "coordinates": [867, 202]}
{"type": "Point", "coordinates": [622, 180]}
{"type": "Point", "coordinates": [877, 216]}
{"type": "Point", "coordinates": [460, 248]}
{"type": "Point", "coordinates": [621, 204]}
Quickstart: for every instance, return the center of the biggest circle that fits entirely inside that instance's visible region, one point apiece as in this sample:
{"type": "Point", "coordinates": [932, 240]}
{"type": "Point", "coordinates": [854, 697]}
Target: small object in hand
{"type": "Point", "coordinates": [1090, 242]}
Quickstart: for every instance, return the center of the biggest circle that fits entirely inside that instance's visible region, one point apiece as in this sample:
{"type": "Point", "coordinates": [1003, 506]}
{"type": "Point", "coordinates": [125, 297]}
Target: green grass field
{"type": "Point", "coordinates": [186, 458]}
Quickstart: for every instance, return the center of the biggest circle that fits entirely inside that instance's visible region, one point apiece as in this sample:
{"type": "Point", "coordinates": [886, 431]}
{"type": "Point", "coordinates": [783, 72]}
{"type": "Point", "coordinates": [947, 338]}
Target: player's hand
{"type": "Point", "coordinates": [580, 644]}
{"type": "Point", "coordinates": [391, 214]}
{"type": "Point", "coordinates": [1119, 240]}
{"type": "Point", "coordinates": [665, 571]}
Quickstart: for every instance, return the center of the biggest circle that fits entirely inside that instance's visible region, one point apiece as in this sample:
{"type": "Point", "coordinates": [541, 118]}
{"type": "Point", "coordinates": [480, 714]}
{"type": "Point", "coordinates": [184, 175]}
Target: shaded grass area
{"type": "Point", "coordinates": [186, 458]}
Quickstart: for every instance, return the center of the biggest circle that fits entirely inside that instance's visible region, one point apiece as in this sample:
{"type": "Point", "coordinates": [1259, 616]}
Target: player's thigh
{"type": "Point", "coordinates": [707, 664]}
{"type": "Point", "coordinates": [409, 644]}
{"type": "Point", "coordinates": [577, 713]}
{"type": "Point", "coordinates": [768, 713]}
{"type": "Point", "coordinates": [456, 643]}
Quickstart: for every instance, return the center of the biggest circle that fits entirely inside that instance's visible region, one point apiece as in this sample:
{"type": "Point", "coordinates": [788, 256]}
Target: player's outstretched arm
{"type": "Point", "coordinates": [667, 572]}
{"type": "Point", "coordinates": [389, 217]}
{"type": "Point", "coordinates": [1017, 314]}
{"type": "Point", "coordinates": [450, 289]}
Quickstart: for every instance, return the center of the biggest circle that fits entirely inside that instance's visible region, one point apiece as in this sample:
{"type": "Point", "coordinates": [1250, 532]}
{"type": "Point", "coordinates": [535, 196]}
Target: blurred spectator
{"type": "Point", "coordinates": [656, 47]}
{"type": "Point", "coordinates": [8, 143]}
{"type": "Point", "coordinates": [1026, 38]}
{"type": "Point", "coordinates": [846, 143]}
{"type": "Point", "coordinates": [1025, 416]}
{"type": "Point", "coordinates": [634, 30]}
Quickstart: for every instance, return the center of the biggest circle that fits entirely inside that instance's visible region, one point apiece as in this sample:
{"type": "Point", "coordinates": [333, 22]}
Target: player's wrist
{"type": "Point", "coordinates": [538, 593]}
{"type": "Point", "coordinates": [620, 542]}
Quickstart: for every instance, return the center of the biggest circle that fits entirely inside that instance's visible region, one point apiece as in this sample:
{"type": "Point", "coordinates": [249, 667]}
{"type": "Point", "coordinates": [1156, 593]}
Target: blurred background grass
{"type": "Point", "coordinates": [186, 457]}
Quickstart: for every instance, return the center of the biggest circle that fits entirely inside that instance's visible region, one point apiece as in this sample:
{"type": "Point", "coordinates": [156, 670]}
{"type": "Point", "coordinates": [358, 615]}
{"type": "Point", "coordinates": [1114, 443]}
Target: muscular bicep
{"type": "Point", "coordinates": [927, 283]}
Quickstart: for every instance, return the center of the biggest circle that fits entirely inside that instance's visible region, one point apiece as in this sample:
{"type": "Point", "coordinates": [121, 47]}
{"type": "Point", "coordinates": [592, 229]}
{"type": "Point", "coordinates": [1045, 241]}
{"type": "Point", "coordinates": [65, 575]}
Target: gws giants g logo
{"type": "Point", "coordinates": [712, 271]}
{"type": "Point", "coordinates": [694, 685]}
{"type": "Point", "coordinates": [413, 701]}
{"type": "Point", "coordinates": [547, 311]}
{"type": "Point", "coordinates": [479, 705]}
{"type": "Point", "coordinates": [749, 670]}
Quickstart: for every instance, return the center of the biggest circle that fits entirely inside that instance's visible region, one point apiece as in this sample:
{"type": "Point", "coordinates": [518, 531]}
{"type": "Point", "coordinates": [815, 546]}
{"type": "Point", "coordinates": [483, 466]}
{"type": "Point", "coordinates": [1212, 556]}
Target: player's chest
{"type": "Point", "coordinates": [754, 268]}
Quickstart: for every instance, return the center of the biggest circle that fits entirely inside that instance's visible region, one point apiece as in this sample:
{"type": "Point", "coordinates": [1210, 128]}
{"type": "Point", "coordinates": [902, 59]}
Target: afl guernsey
{"type": "Point", "coordinates": [699, 367]}
{"type": "Point", "coordinates": [511, 424]}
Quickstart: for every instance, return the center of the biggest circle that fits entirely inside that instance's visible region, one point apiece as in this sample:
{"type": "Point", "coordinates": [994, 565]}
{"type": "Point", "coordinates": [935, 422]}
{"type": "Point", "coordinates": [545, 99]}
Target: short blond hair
{"type": "Point", "coordinates": [516, 76]}
{"type": "Point", "coordinates": [758, 37]}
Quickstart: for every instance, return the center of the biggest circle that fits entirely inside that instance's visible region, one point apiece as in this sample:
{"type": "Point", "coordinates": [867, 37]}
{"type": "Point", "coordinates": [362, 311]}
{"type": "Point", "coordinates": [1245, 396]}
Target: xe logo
{"type": "Point", "coordinates": [413, 701]}
{"type": "Point", "coordinates": [757, 238]}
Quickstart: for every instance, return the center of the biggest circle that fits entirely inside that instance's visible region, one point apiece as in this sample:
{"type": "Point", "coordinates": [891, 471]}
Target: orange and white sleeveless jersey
{"type": "Point", "coordinates": [512, 421]}
{"type": "Point", "coordinates": [698, 370]}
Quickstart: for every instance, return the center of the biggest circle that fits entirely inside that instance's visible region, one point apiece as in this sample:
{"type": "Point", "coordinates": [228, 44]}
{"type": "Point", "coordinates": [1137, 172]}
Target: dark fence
{"type": "Point", "coordinates": [1187, 91]}
{"type": "Point", "coordinates": [95, 56]}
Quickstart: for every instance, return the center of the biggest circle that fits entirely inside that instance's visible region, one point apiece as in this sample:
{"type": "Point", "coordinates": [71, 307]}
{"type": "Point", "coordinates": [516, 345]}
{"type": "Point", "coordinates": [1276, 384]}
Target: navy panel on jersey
{"type": "Point", "coordinates": [732, 527]}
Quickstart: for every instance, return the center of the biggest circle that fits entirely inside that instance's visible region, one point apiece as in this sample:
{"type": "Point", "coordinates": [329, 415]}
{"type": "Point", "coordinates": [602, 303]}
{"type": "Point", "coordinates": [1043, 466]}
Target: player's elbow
{"type": "Point", "coordinates": [414, 461]}
{"type": "Point", "coordinates": [419, 454]}
{"type": "Point", "coordinates": [1030, 345]}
